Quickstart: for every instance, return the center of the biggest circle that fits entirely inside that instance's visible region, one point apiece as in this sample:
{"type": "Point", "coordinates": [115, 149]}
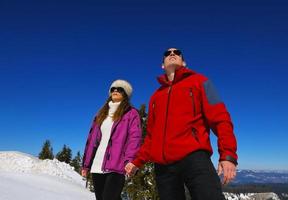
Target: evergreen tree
{"type": "Point", "coordinates": [64, 155]}
{"type": "Point", "coordinates": [142, 185]}
{"type": "Point", "coordinates": [143, 117]}
{"type": "Point", "coordinates": [89, 182]}
{"type": "Point", "coordinates": [76, 162]}
{"type": "Point", "coordinates": [47, 151]}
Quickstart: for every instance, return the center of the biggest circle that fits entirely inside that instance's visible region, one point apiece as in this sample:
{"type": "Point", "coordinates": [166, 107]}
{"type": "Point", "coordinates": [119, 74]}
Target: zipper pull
{"type": "Point", "coordinates": [194, 131]}
{"type": "Point", "coordinates": [191, 93]}
{"type": "Point", "coordinates": [169, 89]}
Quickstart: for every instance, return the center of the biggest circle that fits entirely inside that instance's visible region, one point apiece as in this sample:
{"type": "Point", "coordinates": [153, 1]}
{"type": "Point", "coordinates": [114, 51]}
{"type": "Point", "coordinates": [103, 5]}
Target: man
{"type": "Point", "coordinates": [181, 113]}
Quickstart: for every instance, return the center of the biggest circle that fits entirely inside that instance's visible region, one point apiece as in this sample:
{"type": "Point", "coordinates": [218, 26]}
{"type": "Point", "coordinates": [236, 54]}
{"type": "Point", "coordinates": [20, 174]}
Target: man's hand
{"type": "Point", "coordinates": [228, 169]}
{"type": "Point", "coordinates": [130, 169]}
{"type": "Point", "coordinates": [84, 172]}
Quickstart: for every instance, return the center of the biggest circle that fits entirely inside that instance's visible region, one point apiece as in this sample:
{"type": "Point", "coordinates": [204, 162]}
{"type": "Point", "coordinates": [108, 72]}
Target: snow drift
{"type": "Point", "coordinates": [25, 177]}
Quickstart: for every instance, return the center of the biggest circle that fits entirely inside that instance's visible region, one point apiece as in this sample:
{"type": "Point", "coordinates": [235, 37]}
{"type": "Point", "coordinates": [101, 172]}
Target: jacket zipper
{"type": "Point", "coordinates": [193, 102]}
{"type": "Point", "coordinates": [166, 119]}
{"type": "Point", "coordinates": [107, 153]}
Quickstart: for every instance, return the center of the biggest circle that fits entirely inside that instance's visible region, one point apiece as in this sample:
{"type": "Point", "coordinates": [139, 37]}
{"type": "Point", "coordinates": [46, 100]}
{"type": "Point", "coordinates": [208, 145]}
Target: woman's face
{"type": "Point", "coordinates": [116, 94]}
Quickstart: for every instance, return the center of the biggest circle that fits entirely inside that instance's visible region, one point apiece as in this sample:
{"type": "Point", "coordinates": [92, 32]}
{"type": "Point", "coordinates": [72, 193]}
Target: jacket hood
{"type": "Point", "coordinates": [181, 73]}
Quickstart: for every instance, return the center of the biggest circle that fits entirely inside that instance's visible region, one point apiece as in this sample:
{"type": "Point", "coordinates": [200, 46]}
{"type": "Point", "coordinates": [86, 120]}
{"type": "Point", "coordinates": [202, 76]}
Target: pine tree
{"type": "Point", "coordinates": [143, 117]}
{"type": "Point", "coordinates": [76, 162]}
{"type": "Point", "coordinates": [142, 185]}
{"type": "Point", "coordinates": [64, 155]}
{"type": "Point", "coordinates": [47, 151]}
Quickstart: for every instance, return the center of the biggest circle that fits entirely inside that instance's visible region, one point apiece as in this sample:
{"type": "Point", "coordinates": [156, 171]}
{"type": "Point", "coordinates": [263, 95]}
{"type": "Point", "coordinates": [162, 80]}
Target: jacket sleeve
{"type": "Point", "coordinates": [89, 147]}
{"type": "Point", "coordinates": [219, 121]}
{"type": "Point", "coordinates": [134, 137]}
{"type": "Point", "coordinates": [143, 154]}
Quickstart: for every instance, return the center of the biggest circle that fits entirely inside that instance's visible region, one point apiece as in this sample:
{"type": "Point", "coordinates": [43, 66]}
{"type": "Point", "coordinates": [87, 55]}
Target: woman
{"type": "Point", "coordinates": [113, 141]}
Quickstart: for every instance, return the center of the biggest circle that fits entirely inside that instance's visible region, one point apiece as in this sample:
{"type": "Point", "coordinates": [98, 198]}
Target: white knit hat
{"type": "Point", "coordinates": [124, 84]}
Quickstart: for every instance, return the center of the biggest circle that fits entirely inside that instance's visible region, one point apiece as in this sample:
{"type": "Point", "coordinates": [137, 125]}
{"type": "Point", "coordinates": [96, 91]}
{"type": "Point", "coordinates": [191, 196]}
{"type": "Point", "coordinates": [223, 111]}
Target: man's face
{"type": "Point", "coordinates": [173, 57]}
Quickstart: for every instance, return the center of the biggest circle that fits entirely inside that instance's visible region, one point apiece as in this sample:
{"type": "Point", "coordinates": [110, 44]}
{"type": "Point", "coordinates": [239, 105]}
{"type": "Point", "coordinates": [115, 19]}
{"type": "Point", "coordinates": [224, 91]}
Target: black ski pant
{"type": "Point", "coordinates": [108, 186]}
{"type": "Point", "coordinates": [196, 171]}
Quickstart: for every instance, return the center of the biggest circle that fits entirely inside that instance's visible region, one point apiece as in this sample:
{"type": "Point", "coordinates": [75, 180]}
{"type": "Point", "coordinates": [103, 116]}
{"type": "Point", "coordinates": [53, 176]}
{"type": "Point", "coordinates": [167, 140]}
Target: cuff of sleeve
{"type": "Point", "coordinates": [126, 161]}
{"type": "Point", "coordinates": [138, 163]}
{"type": "Point", "coordinates": [85, 168]}
{"type": "Point", "coordinates": [231, 159]}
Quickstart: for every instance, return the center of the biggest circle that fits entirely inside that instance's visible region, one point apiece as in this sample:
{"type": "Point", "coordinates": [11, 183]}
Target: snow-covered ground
{"type": "Point", "coordinates": [252, 196]}
{"type": "Point", "coordinates": [25, 177]}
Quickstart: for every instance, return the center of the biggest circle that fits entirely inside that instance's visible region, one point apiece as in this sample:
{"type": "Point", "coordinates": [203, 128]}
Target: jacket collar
{"type": "Point", "coordinates": [180, 74]}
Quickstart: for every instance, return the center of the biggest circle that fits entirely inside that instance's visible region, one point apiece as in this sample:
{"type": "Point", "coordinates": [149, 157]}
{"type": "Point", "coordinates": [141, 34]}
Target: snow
{"type": "Point", "coordinates": [25, 177]}
{"type": "Point", "coordinates": [251, 196]}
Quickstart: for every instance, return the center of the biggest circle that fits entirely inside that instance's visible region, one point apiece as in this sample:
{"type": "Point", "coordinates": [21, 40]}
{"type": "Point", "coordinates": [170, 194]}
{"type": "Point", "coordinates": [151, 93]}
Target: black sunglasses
{"type": "Point", "coordinates": [176, 52]}
{"type": "Point", "coordinates": [118, 89]}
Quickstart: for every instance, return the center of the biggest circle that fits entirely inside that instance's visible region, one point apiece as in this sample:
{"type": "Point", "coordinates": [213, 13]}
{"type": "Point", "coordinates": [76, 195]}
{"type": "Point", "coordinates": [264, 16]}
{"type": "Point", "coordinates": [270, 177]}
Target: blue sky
{"type": "Point", "coordinates": [58, 58]}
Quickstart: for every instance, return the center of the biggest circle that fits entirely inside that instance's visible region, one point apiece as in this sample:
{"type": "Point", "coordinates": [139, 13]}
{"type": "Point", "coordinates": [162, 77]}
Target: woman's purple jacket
{"type": "Point", "coordinates": [124, 143]}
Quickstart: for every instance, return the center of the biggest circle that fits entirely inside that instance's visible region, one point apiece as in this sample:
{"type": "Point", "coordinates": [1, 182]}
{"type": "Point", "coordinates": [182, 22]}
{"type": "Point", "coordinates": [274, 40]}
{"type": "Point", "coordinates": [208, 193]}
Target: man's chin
{"type": "Point", "coordinates": [173, 66]}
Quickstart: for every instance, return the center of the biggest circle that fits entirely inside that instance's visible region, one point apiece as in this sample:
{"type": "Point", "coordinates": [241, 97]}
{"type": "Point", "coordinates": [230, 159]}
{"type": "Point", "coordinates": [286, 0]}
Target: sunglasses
{"type": "Point", "coordinates": [176, 52]}
{"type": "Point", "coordinates": [117, 89]}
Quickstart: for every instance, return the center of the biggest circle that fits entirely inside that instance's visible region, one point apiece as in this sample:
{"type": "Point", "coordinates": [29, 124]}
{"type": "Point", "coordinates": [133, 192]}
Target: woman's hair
{"type": "Point", "coordinates": [121, 110]}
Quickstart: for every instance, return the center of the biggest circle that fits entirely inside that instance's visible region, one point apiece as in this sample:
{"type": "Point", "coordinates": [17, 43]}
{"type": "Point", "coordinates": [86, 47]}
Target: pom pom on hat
{"type": "Point", "coordinates": [124, 84]}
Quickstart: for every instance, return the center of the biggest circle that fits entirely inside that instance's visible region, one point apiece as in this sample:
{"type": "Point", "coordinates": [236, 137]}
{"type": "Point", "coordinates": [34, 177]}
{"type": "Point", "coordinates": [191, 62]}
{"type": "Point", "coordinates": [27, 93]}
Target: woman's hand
{"type": "Point", "coordinates": [130, 169]}
{"type": "Point", "coordinates": [84, 172]}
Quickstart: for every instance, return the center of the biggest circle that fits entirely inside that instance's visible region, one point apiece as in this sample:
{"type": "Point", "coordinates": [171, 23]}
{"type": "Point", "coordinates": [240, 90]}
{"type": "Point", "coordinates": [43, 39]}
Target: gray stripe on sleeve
{"type": "Point", "coordinates": [211, 93]}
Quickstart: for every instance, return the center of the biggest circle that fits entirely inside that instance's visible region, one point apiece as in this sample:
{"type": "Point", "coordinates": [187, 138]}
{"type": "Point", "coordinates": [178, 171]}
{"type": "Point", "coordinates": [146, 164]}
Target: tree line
{"type": "Point", "coordinates": [64, 155]}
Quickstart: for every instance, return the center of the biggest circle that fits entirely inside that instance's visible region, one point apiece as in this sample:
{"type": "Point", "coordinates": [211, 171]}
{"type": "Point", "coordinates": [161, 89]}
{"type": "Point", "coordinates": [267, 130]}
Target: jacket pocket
{"type": "Point", "coordinates": [195, 134]}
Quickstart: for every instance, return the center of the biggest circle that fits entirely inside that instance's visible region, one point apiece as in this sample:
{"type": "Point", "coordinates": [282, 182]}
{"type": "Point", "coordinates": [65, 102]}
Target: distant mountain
{"type": "Point", "coordinates": [258, 184]}
{"type": "Point", "coordinates": [261, 176]}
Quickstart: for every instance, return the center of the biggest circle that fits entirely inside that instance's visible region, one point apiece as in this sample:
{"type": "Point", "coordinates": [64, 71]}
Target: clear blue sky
{"type": "Point", "coordinates": [58, 58]}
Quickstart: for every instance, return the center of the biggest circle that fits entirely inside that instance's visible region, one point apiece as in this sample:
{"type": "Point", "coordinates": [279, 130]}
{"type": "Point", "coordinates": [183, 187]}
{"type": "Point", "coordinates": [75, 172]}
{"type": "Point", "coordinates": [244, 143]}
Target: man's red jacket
{"type": "Point", "coordinates": [180, 116]}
